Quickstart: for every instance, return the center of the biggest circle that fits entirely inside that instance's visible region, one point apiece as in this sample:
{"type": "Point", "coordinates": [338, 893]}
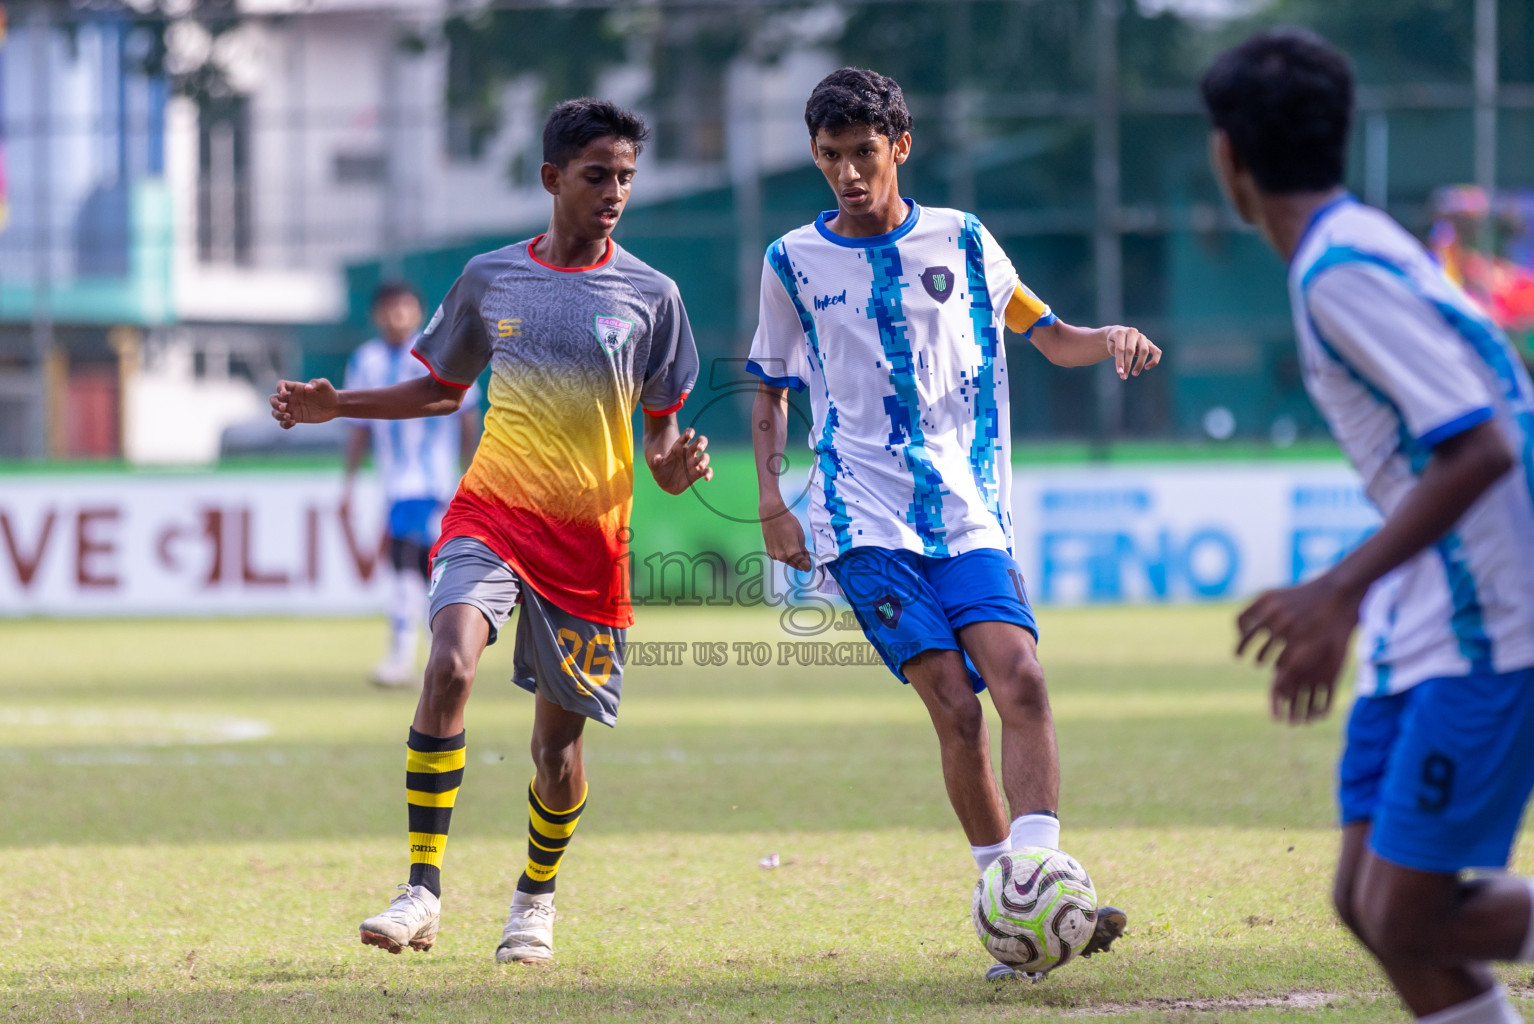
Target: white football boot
{"type": "Point", "coordinates": [529, 934]}
{"type": "Point", "coordinates": [398, 671]}
{"type": "Point", "coordinates": [410, 920]}
{"type": "Point", "coordinates": [1001, 972]}
{"type": "Point", "coordinates": [394, 674]}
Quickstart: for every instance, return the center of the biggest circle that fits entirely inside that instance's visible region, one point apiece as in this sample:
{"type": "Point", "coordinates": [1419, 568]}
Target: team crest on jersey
{"type": "Point", "coordinates": [887, 608]}
{"type": "Point", "coordinates": [613, 333]}
{"type": "Point", "coordinates": [938, 281]}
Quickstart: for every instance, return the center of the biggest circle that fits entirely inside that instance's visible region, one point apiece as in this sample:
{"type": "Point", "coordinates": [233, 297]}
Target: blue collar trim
{"type": "Point", "coordinates": [1315, 218]}
{"type": "Point", "coordinates": [875, 241]}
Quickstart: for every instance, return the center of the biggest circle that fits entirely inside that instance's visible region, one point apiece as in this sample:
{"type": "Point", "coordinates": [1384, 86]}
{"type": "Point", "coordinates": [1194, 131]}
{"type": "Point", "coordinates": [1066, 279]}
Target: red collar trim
{"type": "Point", "coordinates": [569, 270]}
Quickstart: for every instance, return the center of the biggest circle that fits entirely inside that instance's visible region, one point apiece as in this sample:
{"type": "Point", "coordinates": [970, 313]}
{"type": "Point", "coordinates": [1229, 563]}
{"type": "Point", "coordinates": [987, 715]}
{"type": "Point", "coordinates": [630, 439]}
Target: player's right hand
{"type": "Point", "coordinates": [1308, 627]}
{"type": "Point", "coordinates": [297, 402]}
{"type": "Point", "coordinates": [785, 539]}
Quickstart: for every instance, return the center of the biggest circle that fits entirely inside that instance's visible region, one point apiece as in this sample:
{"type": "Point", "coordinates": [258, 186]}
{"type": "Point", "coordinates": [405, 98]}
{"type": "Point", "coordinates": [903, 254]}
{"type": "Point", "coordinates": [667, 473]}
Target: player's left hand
{"type": "Point", "coordinates": [683, 464]}
{"type": "Point", "coordinates": [1308, 627]}
{"type": "Point", "coordinates": [1132, 352]}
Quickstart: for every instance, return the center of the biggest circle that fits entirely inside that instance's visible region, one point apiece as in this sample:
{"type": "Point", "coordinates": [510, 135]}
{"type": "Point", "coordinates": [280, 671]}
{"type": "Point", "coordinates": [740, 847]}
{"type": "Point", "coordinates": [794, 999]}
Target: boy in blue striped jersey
{"type": "Point", "coordinates": [1433, 407]}
{"type": "Point", "coordinates": [892, 315]}
{"type": "Point", "coordinates": [419, 462]}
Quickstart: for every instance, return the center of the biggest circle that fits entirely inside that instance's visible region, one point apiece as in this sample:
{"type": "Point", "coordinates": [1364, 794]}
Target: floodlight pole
{"type": "Point", "coordinates": [42, 231]}
{"type": "Point", "coordinates": [957, 126]}
{"type": "Point", "coordinates": [744, 130]}
{"type": "Point", "coordinates": [1486, 95]}
{"type": "Point", "coordinates": [1107, 239]}
{"type": "Point", "coordinates": [296, 145]}
{"type": "Point", "coordinates": [1377, 158]}
{"type": "Point", "coordinates": [391, 195]}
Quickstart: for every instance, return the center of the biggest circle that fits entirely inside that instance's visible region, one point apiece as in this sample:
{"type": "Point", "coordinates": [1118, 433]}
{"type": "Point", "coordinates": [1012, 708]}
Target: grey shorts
{"type": "Point", "coordinates": [576, 663]}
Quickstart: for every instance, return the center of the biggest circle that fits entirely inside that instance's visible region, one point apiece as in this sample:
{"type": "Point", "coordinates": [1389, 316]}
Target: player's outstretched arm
{"type": "Point", "coordinates": [676, 460]}
{"type": "Point", "coordinates": [1132, 352]}
{"type": "Point", "coordinates": [1308, 626]}
{"type": "Point", "coordinates": [318, 401]}
{"type": "Point", "coordinates": [781, 531]}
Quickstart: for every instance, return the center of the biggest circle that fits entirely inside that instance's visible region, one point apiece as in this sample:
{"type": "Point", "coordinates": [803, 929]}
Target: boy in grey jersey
{"type": "Point", "coordinates": [576, 332]}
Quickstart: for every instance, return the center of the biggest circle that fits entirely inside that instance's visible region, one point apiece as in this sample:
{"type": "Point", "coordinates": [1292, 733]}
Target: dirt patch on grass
{"type": "Point", "coordinates": [1286, 1001]}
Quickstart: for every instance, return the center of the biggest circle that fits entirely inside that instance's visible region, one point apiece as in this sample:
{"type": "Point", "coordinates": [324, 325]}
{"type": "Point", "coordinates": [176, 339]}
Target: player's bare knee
{"type": "Point", "coordinates": [1020, 693]}
{"type": "Point", "coordinates": [449, 677]}
{"type": "Point", "coordinates": [1390, 937]}
{"type": "Point", "coordinates": [1343, 894]}
{"type": "Point", "coordinates": [958, 717]}
{"type": "Point", "coordinates": [1396, 930]}
{"type": "Point", "coordinates": [554, 761]}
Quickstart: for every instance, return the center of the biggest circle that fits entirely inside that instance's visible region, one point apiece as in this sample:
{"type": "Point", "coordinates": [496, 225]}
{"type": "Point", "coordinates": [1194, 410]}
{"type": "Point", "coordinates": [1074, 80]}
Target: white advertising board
{"type": "Point", "coordinates": [275, 543]}
{"type": "Point", "coordinates": [205, 544]}
{"type": "Point", "coordinates": [1180, 533]}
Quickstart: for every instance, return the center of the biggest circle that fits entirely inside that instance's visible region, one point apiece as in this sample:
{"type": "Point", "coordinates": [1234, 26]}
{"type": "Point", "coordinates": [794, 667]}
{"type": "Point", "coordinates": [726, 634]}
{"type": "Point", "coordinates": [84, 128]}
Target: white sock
{"type": "Point", "coordinates": [1036, 830]}
{"type": "Point", "coordinates": [1490, 1007]}
{"type": "Point", "coordinates": [985, 856]}
{"type": "Point", "coordinates": [407, 606]}
{"type": "Point", "coordinates": [1526, 954]}
{"type": "Point", "coordinates": [402, 641]}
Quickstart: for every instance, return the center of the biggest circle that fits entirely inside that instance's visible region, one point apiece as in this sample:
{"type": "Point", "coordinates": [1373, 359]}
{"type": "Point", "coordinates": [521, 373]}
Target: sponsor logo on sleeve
{"type": "Point", "coordinates": [436, 318]}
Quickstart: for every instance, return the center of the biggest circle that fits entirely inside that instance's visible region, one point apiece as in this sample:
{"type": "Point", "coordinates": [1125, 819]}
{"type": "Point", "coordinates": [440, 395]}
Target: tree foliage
{"type": "Point", "coordinates": [566, 47]}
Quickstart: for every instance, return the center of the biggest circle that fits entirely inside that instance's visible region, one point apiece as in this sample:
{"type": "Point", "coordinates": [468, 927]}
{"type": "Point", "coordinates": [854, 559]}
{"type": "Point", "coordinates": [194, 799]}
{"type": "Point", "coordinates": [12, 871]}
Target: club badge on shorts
{"type": "Point", "coordinates": [612, 332]}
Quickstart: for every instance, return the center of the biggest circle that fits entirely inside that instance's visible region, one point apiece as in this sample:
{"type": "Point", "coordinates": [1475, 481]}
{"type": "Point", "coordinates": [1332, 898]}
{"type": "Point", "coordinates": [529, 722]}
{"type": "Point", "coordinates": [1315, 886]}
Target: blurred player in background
{"type": "Point", "coordinates": [893, 315]}
{"type": "Point", "coordinates": [1432, 406]}
{"type": "Point", "coordinates": [419, 462]}
{"type": "Point", "coordinates": [576, 333]}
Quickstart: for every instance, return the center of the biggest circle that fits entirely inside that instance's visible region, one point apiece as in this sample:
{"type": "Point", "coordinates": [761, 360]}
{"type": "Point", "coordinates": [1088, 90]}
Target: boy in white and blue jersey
{"type": "Point", "coordinates": [420, 462]}
{"type": "Point", "coordinates": [1433, 407]}
{"type": "Point", "coordinates": [893, 316]}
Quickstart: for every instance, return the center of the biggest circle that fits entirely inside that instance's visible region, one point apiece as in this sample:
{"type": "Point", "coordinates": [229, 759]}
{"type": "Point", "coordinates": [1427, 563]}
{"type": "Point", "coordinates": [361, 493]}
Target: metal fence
{"type": "Point", "coordinates": [217, 169]}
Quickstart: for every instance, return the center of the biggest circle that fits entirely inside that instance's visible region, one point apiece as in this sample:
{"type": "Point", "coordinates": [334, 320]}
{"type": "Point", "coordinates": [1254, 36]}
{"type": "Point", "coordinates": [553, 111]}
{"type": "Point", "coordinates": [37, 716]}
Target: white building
{"type": "Point", "coordinates": [238, 214]}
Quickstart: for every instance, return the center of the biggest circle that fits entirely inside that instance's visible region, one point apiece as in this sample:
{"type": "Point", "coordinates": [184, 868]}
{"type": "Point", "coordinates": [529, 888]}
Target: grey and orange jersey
{"type": "Point", "coordinates": [571, 353]}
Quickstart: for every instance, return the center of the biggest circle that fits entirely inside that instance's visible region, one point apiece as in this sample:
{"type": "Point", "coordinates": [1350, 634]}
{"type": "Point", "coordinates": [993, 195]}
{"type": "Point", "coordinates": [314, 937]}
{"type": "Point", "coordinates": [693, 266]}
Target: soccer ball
{"type": "Point", "coordinates": [1034, 908]}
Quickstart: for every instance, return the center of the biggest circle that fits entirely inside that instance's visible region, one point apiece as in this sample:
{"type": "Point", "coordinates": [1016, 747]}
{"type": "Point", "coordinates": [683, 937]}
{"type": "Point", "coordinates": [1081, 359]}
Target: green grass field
{"type": "Point", "coordinates": [197, 814]}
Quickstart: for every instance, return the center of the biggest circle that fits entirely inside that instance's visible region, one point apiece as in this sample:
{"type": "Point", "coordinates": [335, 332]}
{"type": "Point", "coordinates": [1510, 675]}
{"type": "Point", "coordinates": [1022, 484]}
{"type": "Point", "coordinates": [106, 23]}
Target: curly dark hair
{"type": "Point", "coordinates": [856, 96]}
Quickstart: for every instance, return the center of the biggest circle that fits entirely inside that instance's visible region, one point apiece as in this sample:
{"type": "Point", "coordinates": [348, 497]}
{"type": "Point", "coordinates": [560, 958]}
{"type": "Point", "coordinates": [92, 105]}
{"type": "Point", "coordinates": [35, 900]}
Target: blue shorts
{"type": "Point", "coordinates": [1443, 770]}
{"type": "Point", "coordinates": [416, 520]}
{"type": "Point", "coordinates": [908, 603]}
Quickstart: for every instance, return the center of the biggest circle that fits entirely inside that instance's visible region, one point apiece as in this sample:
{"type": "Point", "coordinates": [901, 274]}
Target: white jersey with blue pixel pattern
{"type": "Point", "coordinates": [1398, 359]}
{"type": "Point", "coordinates": [416, 458]}
{"type": "Point", "coordinates": [899, 340]}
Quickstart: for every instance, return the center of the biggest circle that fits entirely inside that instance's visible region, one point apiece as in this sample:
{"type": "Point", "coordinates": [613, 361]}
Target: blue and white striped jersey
{"type": "Point", "coordinates": [417, 458]}
{"type": "Point", "coordinates": [899, 339]}
{"type": "Point", "coordinates": [1398, 359]}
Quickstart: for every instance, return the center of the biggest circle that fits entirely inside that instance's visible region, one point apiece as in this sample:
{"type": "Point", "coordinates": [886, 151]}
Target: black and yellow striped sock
{"type": "Point", "coordinates": [548, 833]}
{"type": "Point", "coordinates": [433, 773]}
